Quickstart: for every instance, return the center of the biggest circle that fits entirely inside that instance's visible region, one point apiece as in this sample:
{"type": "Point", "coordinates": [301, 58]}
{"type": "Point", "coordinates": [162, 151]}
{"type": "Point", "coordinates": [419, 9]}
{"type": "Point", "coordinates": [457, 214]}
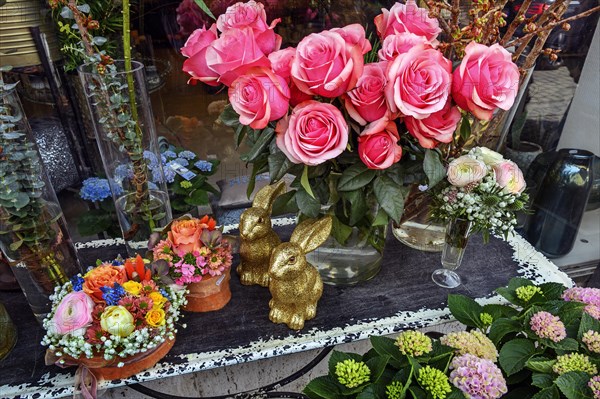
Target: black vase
{"type": "Point", "coordinates": [560, 202]}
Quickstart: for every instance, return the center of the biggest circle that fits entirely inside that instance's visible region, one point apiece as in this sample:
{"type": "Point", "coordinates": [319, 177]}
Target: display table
{"type": "Point", "coordinates": [401, 296]}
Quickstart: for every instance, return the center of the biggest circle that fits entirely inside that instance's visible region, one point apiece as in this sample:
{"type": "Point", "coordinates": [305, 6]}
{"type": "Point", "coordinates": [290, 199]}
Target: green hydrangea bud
{"type": "Point", "coordinates": [527, 292]}
{"type": "Point", "coordinates": [351, 373]}
{"type": "Point", "coordinates": [434, 381]}
{"type": "Point", "coordinates": [413, 343]}
{"type": "Point", "coordinates": [574, 362]}
{"type": "Point", "coordinates": [394, 390]}
{"type": "Point", "coordinates": [185, 184]}
{"type": "Point", "coordinates": [486, 319]}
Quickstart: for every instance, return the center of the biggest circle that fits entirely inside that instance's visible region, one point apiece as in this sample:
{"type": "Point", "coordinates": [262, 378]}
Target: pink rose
{"type": "Point", "coordinates": [355, 35]}
{"type": "Point", "coordinates": [298, 96]}
{"type": "Point", "coordinates": [313, 133]}
{"type": "Point", "coordinates": [407, 18]}
{"type": "Point", "coordinates": [378, 144]}
{"type": "Point", "coordinates": [418, 82]}
{"type": "Point", "coordinates": [509, 177]}
{"type": "Point", "coordinates": [485, 80]}
{"type": "Point", "coordinates": [281, 62]}
{"type": "Point", "coordinates": [326, 64]}
{"type": "Point", "coordinates": [73, 314]}
{"type": "Point", "coordinates": [251, 15]}
{"type": "Point", "coordinates": [437, 128]}
{"type": "Point", "coordinates": [466, 170]}
{"type": "Point", "coordinates": [399, 44]}
{"type": "Point", "coordinates": [259, 96]}
{"type": "Point", "coordinates": [233, 54]}
{"type": "Point", "coordinates": [195, 49]}
{"type": "Point", "coordinates": [366, 102]}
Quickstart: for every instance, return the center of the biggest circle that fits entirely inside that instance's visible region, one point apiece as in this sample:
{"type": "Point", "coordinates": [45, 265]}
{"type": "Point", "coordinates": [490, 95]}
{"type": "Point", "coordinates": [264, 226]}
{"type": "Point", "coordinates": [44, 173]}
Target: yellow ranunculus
{"type": "Point", "coordinates": [117, 321]}
{"type": "Point", "coordinates": [157, 299]}
{"type": "Point", "coordinates": [155, 317]}
{"type": "Point", "coordinates": [133, 287]}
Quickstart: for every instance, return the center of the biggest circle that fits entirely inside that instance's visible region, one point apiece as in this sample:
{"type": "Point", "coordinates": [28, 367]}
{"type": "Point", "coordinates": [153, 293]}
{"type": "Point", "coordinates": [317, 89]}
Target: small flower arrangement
{"type": "Point", "coordinates": [544, 344]}
{"type": "Point", "coordinates": [483, 188]}
{"type": "Point", "coordinates": [114, 311]}
{"type": "Point", "coordinates": [194, 249]}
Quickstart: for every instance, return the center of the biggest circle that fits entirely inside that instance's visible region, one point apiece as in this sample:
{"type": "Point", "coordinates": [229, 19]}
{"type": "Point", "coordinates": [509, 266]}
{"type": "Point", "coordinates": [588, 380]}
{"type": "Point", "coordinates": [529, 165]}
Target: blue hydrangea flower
{"type": "Point", "coordinates": [187, 155]}
{"type": "Point", "coordinates": [169, 154]}
{"type": "Point", "coordinates": [77, 282]}
{"type": "Point", "coordinates": [181, 161]}
{"type": "Point", "coordinates": [164, 293]}
{"type": "Point", "coordinates": [169, 172]}
{"type": "Point", "coordinates": [123, 171]}
{"type": "Point", "coordinates": [204, 166]}
{"type": "Point", "coordinates": [117, 262]}
{"type": "Point", "coordinates": [96, 189]}
{"type": "Point", "coordinates": [151, 158]}
{"type": "Point", "coordinates": [113, 295]}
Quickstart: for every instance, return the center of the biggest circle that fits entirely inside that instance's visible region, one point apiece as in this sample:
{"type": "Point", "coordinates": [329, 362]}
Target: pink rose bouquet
{"type": "Point", "coordinates": [115, 310]}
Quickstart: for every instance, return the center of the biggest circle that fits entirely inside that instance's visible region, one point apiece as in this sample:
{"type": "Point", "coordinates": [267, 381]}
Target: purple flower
{"type": "Point", "coordinates": [547, 326]}
{"type": "Point", "coordinates": [589, 296]}
{"type": "Point", "coordinates": [477, 378]}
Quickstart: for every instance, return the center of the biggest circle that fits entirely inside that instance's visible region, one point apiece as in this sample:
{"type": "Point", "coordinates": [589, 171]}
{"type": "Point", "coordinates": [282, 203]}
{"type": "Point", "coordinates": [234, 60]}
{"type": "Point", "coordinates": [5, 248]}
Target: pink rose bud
{"type": "Point", "coordinates": [313, 133]}
{"type": "Point", "coordinates": [259, 97]}
{"type": "Point", "coordinates": [366, 102]}
{"type": "Point", "coordinates": [378, 144]}
{"type": "Point", "coordinates": [437, 128]}
{"type": "Point", "coordinates": [486, 79]}
{"type": "Point", "coordinates": [399, 44]}
{"type": "Point", "coordinates": [466, 170]}
{"type": "Point", "coordinates": [407, 18]}
{"type": "Point", "coordinates": [418, 82]}
{"type": "Point", "coordinates": [509, 177]}
{"type": "Point", "coordinates": [73, 314]}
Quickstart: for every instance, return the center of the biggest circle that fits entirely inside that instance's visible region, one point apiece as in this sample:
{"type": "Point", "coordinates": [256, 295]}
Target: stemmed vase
{"type": "Point", "coordinates": [457, 237]}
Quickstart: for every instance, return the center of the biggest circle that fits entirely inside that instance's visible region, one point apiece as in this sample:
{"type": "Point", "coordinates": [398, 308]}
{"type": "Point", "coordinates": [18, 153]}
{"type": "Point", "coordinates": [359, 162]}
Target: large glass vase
{"type": "Point", "coordinates": [33, 234]}
{"type": "Point", "coordinates": [126, 136]}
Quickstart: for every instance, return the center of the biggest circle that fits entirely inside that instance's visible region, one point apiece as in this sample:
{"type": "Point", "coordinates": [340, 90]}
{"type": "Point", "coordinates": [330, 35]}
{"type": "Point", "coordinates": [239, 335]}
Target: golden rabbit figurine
{"type": "Point", "coordinates": [295, 284]}
{"type": "Point", "coordinates": [257, 237]}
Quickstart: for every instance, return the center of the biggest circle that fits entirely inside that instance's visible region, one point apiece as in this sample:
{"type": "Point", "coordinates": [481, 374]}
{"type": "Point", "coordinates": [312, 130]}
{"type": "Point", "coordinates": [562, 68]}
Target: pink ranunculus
{"type": "Point", "coordinates": [251, 15]}
{"type": "Point", "coordinates": [465, 170]}
{"type": "Point", "coordinates": [509, 177]}
{"type": "Point", "coordinates": [438, 127]}
{"type": "Point", "coordinates": [313, 133]}
{"type": "Point", "coordinates": [366, 102]}
{"type": "Point", "coordinates": [326, 64]}
{"type": "Point", "coordinates": [281, 62]}
{"type": "Point", "coordinates": [378, 144]}
{"type": "Point", "coordinates": [418, 82]}
{"type": "Point", "coordinates": [259, 96]}
{"type": "Point", "coordinates": [233, 54]}
{"type": "Point", "coordinates": [486, 79]}
{"type": "Point", "coordinates": [195, 49]}
{"type": "Point", "coordinates": [355, 35]}
{"type": "Point", "coordinates": [399, 43]}
{"type": "Point", "coordinates": [407, 18]}
{"type": "Point", "coordinates": [73, 314]}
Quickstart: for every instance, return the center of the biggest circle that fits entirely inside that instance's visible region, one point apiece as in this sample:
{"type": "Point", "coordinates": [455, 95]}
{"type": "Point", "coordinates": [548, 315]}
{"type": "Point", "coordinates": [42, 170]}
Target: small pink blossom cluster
{"type": "Point", "coordinates": [411, 81]}
{"type": "Point", "coordinates": [594, 385]}
{"type": "Point", "coordinates": [547, 326]}
{"type": "Point", "coordinates": [589, 296]}
{"type": "Point", "coordinates": [477, 378]}
{"type": "Point", "coordinates": [592, 340]}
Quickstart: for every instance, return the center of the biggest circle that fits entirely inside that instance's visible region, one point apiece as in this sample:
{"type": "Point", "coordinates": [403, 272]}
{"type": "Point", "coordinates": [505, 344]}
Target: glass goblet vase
{"type": "Point", "coordinates": [457, 237]}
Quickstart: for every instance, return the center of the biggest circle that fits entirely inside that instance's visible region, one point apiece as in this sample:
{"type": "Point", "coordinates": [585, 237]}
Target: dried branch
{"type": "Point", "coordinates": [515, 22]}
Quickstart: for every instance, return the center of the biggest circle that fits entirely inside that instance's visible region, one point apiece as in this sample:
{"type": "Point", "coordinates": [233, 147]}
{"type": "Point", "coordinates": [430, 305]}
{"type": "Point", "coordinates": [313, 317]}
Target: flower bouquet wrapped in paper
{"type": "Point", "coordinates": [115, 321]}
{"type": "Point", "coordinates": [195, 254]}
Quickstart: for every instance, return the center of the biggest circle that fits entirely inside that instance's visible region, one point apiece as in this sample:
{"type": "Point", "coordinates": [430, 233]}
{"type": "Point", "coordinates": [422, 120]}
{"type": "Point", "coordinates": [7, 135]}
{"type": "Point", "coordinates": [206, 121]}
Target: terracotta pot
{"type": "Point", "coordinates": [210, 294]}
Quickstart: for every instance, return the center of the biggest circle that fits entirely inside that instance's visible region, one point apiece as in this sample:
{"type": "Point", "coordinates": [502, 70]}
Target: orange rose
{"type": "Point", "coordinates": [104, 275]}
{"type": "Point", "coordinates": [185, 235]}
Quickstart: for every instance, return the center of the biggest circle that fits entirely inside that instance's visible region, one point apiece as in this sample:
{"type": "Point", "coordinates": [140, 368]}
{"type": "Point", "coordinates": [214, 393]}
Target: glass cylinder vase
{"type": "Point", "coordinates": [124, 126]}
{"type": "Point", "coordinates": [457, 237]}
{"type": "Point", "coordinates": [33, 234]}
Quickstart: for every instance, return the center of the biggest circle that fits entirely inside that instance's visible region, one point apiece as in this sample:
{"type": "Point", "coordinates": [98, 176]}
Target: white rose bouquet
{"type": "Point", "coordinates": [483, 188]}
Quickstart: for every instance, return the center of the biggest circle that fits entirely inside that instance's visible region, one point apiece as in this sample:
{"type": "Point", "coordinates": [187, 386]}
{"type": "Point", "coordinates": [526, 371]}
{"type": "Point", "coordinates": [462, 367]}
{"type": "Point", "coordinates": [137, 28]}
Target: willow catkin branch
{"type": "Point", "coordinates": [515, 22]}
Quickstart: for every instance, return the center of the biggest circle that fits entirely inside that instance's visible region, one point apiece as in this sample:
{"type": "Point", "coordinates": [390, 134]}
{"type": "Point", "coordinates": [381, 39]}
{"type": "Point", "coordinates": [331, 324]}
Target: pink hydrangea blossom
{"type": "Point", "coordinates": [477, 378]}
{"type": "Point", "coordinates": [547, 326]}
{"type": "Point", "coordinates": [594, 385]}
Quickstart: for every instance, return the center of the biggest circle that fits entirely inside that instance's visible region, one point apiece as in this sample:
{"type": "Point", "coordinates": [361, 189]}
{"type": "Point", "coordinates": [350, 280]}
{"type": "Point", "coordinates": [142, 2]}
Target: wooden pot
{"type": "Point", "coordinates": [210, 294]}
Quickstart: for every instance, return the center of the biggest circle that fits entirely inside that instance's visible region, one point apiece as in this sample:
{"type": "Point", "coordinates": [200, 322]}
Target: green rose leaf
{"type": "Point", "coordinates": [355, 177]}
{"type": "Point", "coordinates": [324, 387]}
{"type": "Point", "coordinates": [260, 145]}
{"type": "Point", "coordinates": [279, 165]}
{"type": "Point", "coordinates": [547, 393]}
{"type": "Point", "coordinates": [389, 196]}
{"type": "Point", "coordinates": [307, 204]}
{"type": "Point", "coordinates": [465, 128]}
{"type": "Point", "coordinates": [433, 167]}
{"type": "Point", "coordinates": [574, 385]}
{"type": "Point", "coordinates": [515, 354]}
{"type": "Point", "coordinates": [340, 231]}
{"type": "Point", "coordinates": [465, 310]}
{"type": "Point", "coordinates": [285, 203]}
{"type": "Point", "coordinates": [358, 206]}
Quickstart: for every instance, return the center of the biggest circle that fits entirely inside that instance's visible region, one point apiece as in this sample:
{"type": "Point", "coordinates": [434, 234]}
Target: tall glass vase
{"type": "Point", "coordinates": [457, 237]}
{"type": "Point", "coordinates": [33, 234]}
{"type": "Point", "coordinates": [126, 136]}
